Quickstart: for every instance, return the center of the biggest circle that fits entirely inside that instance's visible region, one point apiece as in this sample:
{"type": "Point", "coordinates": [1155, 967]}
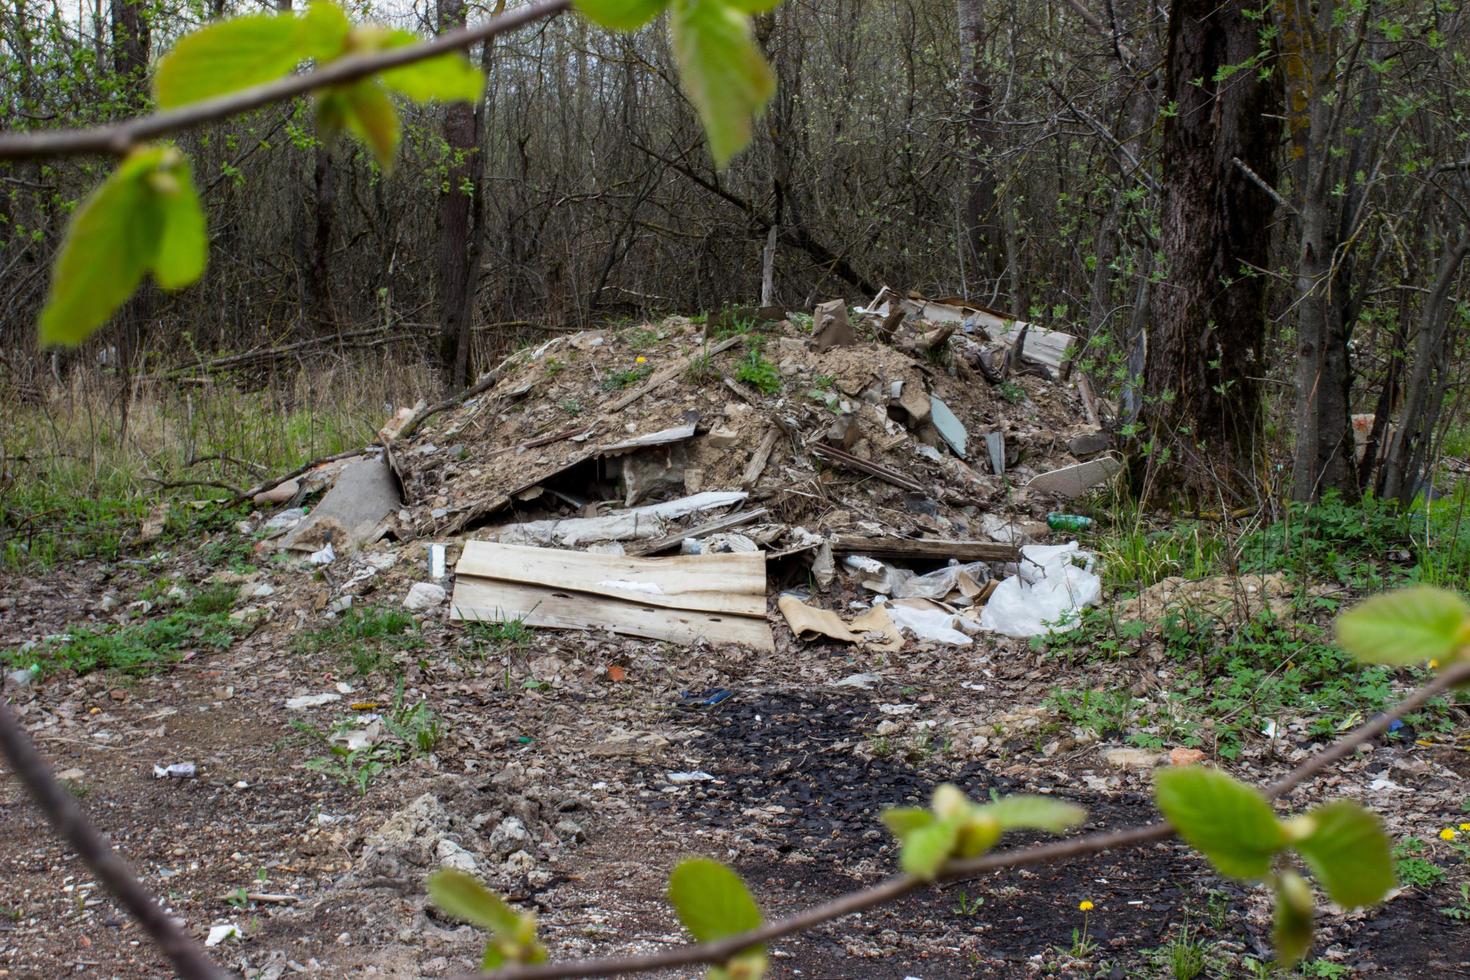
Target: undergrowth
{"type": "Point", "coordinates": [366, 638]}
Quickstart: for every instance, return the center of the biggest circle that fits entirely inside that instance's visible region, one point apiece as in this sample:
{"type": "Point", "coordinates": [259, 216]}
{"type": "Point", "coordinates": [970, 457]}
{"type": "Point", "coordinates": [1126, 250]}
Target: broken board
{"type": "Point", "coordinates": [719, 598]}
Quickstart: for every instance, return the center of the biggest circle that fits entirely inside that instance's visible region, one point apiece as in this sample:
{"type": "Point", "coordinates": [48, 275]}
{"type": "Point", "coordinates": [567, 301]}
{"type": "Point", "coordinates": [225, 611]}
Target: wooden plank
{"type": "Point", "coordinates": [701, 531]}
{"type": "Point", "coordinates": [759, 459]}
{"type": "Point", "coordinates": [853, 544]}
{"type": "Point", "coordinates": [835, 455]}
{"type": "Point", "coordinates": [734, 584]}
{"type": "Point", "coordinates": [482, 600]}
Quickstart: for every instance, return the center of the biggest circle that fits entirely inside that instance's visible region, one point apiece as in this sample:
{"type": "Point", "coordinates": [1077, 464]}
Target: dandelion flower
{"type": "Point", "coordinates": [1465, 826]}
{"type": "Point", "coordinates": [1433, 664]}
{"type": "Point", "coordinates": [640, 359]}
{"type": "Point", "coordinates": [1085, 905]}
{"type": "Point", "coordinates": [1447, 834]}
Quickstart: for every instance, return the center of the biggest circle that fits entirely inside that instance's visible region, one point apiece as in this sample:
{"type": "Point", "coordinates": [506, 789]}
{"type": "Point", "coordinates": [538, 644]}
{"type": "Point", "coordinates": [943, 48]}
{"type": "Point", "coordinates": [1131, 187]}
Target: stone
{"type": "Point", "coordinates": [311, 701]}
{"type": "Point", "coordinates": [424, 595]}
{"type": "Point", "coordinates": [18, 680]}
{"type": "Point", "coordinates": [451, 855]}
{"type": "Point", "coordinates": [722, 438]}
{"type": "Point", "coordinates": [1185, 757]}
{"type": "Point", "coordinates": [510, 835]}
{"type": "Point", "coordinates": [1089, 444]}
{"type": "Point", "coordinates": [520, 864]}
{"type": "Point", "coordinates": [1131, 758]}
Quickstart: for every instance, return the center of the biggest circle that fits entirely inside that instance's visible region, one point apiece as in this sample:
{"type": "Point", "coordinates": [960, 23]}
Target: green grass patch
{"type": "Point", "coordinates": [142, 647]}
{"type": "Point", "coordinates": [366, 638]}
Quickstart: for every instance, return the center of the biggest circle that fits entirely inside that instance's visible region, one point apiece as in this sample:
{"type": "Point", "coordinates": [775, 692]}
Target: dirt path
{"type": "Point", "coordinates": [555, 783]}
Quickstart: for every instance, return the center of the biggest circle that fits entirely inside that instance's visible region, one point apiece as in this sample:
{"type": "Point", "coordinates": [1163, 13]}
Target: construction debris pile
{"type": "Point", "coordinates": [892, 461]}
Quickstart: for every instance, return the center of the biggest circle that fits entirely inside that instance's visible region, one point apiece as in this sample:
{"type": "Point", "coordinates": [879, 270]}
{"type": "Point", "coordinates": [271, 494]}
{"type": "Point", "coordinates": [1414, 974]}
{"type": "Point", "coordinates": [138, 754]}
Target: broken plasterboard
{"type": "Point", "coordinates": [1050, 348]}
{"type": "Point", "coordinates": [1077, 479]}
{"type": "Point", "coordinates": [637, 524]}
{"type": "Point", "coordinates": [719, 598]}
{"type": "Point", "coordinates": [352, 513]}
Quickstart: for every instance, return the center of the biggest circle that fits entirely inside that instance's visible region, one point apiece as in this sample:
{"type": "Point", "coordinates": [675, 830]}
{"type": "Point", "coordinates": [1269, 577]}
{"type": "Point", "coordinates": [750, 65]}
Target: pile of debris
{"type": "Point", "coordinates": [914, 445]}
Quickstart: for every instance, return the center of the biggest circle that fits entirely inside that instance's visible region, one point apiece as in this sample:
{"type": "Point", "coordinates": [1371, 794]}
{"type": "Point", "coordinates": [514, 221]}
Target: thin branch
{"type": "Point", "coordinates": [1256, 179]}
{"type": "Point", "coordinates": [65, 815]}
{"type": "Point", "coordinates": [899, 885]}
{"type": "Point", "coordinates": [118, 138]}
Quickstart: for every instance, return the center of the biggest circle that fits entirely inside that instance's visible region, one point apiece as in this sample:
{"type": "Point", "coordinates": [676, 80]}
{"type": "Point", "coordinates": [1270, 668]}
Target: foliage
{"type": "Point", "coordinates": [142, 647]}
{"type": "Point", "coordinates": [755, 370]}
{"type": "Point", "coordinates": [410, 731]}
{"type": "Point", "coordinates": [954, 827]}
{"type": "Point", "coordinates": [146, 217]}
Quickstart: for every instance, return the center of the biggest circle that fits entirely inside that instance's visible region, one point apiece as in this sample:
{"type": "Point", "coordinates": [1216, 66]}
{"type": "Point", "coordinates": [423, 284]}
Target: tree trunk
{"type": "Point", "coordinates": [1205, 350]}
{"type": "Point", "coordinates": [984, 231]}
{"type": "Point", "coordinates": [457, 227]}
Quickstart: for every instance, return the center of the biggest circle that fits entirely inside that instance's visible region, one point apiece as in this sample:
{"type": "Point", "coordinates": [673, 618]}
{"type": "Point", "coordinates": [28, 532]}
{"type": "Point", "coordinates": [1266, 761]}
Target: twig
{"type": "Point", "coordinates": [900, 885]}
{"type": "Point", "coordinates": [65, 815]}
{"type": "Point", "coordinates": [118, 138]}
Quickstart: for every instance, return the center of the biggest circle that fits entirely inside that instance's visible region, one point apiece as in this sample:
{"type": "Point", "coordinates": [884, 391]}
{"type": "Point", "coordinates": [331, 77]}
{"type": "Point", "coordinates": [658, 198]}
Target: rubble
{"type": "Point", "coordinates": [734, 448]}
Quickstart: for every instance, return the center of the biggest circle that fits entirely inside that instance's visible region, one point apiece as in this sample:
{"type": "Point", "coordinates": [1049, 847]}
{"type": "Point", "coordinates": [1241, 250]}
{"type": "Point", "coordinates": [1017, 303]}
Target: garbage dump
{"type": "Point", "coordinates": [875, 476]}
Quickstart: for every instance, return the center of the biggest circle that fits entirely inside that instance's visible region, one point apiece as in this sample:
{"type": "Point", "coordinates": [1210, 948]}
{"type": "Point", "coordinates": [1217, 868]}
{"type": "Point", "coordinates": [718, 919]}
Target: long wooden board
{"type": "Point", "coordinates": [857, 544]}
{"type": "Point", "coordinates": [733, 584]}
{"type": "Point", "coordinates": [477, 600]}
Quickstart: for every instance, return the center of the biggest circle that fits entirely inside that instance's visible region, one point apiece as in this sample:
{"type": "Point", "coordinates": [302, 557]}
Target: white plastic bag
{"type": "Point", "coordinates": [1047, 595]}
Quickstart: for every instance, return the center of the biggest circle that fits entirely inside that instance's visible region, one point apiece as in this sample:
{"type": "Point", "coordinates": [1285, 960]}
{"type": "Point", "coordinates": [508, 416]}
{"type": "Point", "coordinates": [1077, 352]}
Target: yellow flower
{"type": "Point", "coordinates": [1447, 834]}
{"type": "Point", "coordinates": [1085, 905]}
{"type": "Point", "coordinates": [1433, 664]}
{"type": "Point", "coordinates": [1465, 826]}
{"type": "Point", "coordinates": [640, 359]}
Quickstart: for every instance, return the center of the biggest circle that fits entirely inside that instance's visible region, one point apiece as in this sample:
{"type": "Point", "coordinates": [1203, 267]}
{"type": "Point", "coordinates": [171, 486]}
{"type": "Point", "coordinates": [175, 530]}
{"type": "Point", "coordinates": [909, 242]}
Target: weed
{"type": "Point", "coordinates": [1105, 713]}
{"type": "Point", "coordinates": [1186, 956]}
{"type": "Point", "coordinates": [966, 906]}
{"type": "Point", "coordinates": [755, 370]}
{"type": "Point", "coordinates": [1413, 869]}
{"type": "Point", "coordinates": [619, 380]}
{"type": "Point", "coordinates": [1325, 969]}
{"type": "Point", "coordinates": [411, 731]}
{"type": "Point", "coordinates": [571, 406]}
{"type": "Point", "coordinates": [1461, 911]}
{"type": "Point", "coordinates": [1011, 392]}
{"type": "Point", "coordinates": [554, 366]}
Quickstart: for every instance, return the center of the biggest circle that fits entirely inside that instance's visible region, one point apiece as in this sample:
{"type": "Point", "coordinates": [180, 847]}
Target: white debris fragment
{"type": "Point", "coordinates": [423, 595]}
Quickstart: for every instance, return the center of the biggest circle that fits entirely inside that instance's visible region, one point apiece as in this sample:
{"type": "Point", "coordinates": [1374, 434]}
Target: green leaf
{"type": "Point", "coordinates": [1228, 822]}
{"type": "Point", "coordinates": [494, 957]}
{"type": "Point", "coordinates": [1349, 854]}
{"type": "Point", "coordinates": [227, 56]}
{"type": "Point", "coordinates": [621, 15]}
{"type": "Point", "coordinates": [904, 820]}
{"type": "Point", "coordinates": [1034, 813]}
{"type": "Point", "coordinates": [754, 6]}
{"type": "Point", "coordinates": [711, 900]}
{"type": "Point", "coordinates": [323, 31]}
{"type": "Point", "coordinates": [369, 115]}
{"type": "Point", "coordinates": [746, 966]}
{"type": "Point", "coordinates": [722, 70]}
{"type": "Point", "coordinates": [109, 244]}
{"type": "Point", "coordinates": [1406, 627]}
{"type": "Point", "coordinates": [1293, 931]}
{"type": "Point", "coordinates": [445, 78]}
{"type": "Point", "coordinates": [183, 247]}
{"type": "Point", "coordinates": [462, 896]}
{"type": "Point", "coordinates": [926, 850]}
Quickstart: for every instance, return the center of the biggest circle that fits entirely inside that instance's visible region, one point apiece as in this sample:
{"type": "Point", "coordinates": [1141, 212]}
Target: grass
{"type": "Point", "coordinates": [142, 647]}
{"type": "Point", "coordinates": [367, 638]}
{"type": "Point", "coordinates": [74, 484]}
{"type": "Point", "coordinates": [1412, 868]}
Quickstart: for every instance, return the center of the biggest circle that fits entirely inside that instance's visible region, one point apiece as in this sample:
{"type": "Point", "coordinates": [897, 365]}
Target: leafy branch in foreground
{"type": "Point", "coordinates": [146, 216]}
{"type": "Point", "coordinates": [1231, 824]}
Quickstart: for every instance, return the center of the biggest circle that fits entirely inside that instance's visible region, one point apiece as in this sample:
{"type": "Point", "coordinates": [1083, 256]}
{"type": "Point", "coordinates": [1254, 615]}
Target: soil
{"type": "Point", "coordinates": [798, 774]}
{"type": "Point", "coordinates": [573, 771]}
